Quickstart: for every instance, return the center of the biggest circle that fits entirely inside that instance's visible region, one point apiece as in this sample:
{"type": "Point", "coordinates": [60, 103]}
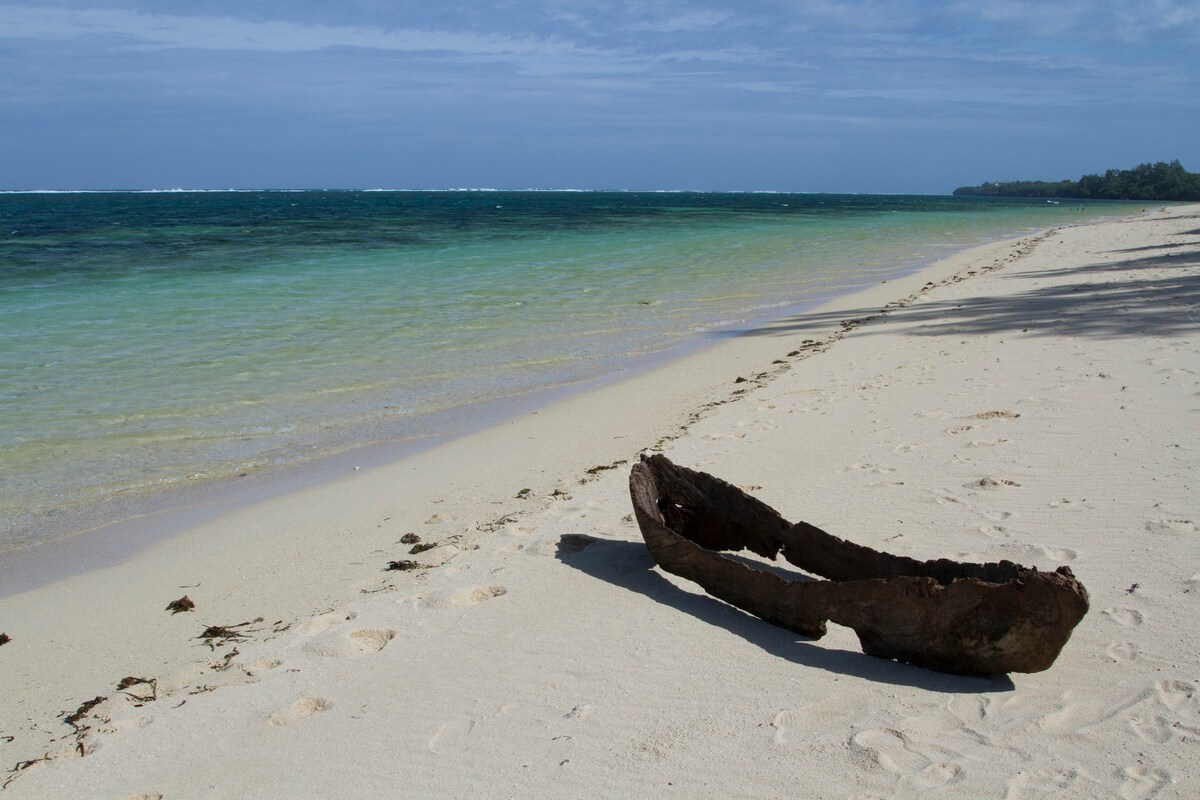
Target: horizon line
{"type": "Point", "coordinates": [481, 190]}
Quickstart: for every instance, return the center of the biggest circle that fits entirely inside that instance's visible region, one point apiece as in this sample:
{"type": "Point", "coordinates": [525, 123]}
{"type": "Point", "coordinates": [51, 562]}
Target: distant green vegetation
{"type": "Point", "coordinates": [1161, 181]}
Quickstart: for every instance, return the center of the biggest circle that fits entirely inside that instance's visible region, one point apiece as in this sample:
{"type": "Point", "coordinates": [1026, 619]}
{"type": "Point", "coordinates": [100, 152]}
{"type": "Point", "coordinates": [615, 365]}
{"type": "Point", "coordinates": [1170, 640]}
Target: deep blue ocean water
{"type": "Point", "coordinates": [154, 340]}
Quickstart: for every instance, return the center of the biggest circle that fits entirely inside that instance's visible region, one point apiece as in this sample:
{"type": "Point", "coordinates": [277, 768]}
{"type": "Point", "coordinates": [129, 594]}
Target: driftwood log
{"type": "Point", "coordinates": [974, 619]}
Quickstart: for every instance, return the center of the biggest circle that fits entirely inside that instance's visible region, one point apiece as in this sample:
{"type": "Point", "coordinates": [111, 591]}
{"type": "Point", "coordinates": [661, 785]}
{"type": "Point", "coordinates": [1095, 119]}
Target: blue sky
{"type": "Point", "coordinates": [806, 95]}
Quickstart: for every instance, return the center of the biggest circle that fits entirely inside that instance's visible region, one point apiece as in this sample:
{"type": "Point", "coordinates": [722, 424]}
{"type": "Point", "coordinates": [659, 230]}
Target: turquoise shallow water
{"type": "Point", "coordinates": [149, 341]}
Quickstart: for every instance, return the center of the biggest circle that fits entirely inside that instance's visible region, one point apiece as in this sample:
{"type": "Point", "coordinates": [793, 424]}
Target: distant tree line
{"type": "Point", "coordinates": [1161, 181]}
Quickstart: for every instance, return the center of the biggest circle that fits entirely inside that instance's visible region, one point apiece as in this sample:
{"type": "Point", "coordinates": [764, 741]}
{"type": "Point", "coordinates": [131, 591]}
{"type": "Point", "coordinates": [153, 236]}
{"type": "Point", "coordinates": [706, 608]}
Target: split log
{"type": "Point", "coordinates": [973, 619]}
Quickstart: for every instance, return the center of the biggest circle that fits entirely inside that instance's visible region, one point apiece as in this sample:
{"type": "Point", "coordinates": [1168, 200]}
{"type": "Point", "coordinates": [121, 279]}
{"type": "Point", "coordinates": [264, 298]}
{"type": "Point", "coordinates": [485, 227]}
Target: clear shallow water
{"type": "Point", "coordinates": [155, 340]}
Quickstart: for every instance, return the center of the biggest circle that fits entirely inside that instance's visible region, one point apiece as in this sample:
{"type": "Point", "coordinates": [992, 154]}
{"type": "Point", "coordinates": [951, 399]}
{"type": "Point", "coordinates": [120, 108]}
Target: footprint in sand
{"type": "Point", "coordinates": [1151, 728]}
{"type": "Point", "coordinates": [896, 752]}
{"type": "Point", "coordinates": [796, 726]}
{"type": "Point", "coordinates": [991, 484]}
{"type": "Point", "coordinates": [786, 722]}
{"type": "Point", "coordinates": [972, 711]}
{"type": "Point", "coordinates": [986, 442]}
{"type": "Point", "coordinates": [1171, 525]}
{"type": "Point", "coordinates": [1123, 651]}
{"type": "Point", "coordinates": [461, 597]}
{"type": "Point", "coordinates": [580, 712]}
{"type": "Point", "coordinates": [302, 708]}
{"type": "Point", "coordinates": [1178, 696]}
{"type": "Point", "coordinates": [1125, 616]}
{"type": "Point", "coordinates": [324, 622]}
{"type": "Point", "coordinates": [996, 415]}
{"type": "Point", "coordinates": [1072, 712]}
{"type": "Point", "coordinates": [541, 547]}
{"type": "Point", "coordinates": [1032, 553]}
{"type": "Point", "coordinates": [1180, 701]}
{"type": "Point", "coordinates": [872, 468]}
{"type": "Point", "coordinates": [1070, 505]}
{"type": "Point", "coordinates": [575, 542]}
{"type": "Point", "coordinates": [350, 644]}
{"type": "Point", "coordinates": [1143, 783]}
{"type": "Point", "coordinates": [1047, 784]}
{"type": "Point", "coordinates": [1058, 554]}
{"type": "Point", "coordinates": [371, 640]}
{"type": "Point", "coordinates": [959, 429]}
{"type": "Point", "coordinates": [126, 725]}
{"type": "Point", "coordinates": [449, 736]}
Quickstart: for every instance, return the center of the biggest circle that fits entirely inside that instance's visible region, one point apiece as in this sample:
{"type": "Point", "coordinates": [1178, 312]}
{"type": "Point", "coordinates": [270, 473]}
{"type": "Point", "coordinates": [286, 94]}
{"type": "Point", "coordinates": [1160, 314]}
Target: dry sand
{"type": "Point", "coordinates": [1035, 400]}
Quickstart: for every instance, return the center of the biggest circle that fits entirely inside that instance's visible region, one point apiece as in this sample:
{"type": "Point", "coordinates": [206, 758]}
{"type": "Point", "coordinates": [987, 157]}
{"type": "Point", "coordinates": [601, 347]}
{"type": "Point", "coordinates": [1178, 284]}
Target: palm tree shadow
{"type": "Point", "coordinates": [630, 566]}
{"type": "Point", "coordinates": [1150, 247]}
{"type": "Point", "coordinates": [1103, 300]}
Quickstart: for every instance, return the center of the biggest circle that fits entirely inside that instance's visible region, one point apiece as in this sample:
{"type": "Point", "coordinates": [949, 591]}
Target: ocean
{"type": "Point", "coordinates": [158, 340]}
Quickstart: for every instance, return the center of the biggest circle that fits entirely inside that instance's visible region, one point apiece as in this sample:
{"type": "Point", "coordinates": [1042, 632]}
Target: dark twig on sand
{"type": "Point", "coordinates": [228, 662]}
{"type": "Point", "coordinates": [22, 765]}
{"type": "Point", "coordinates": [219, 635]}
{"type": "Point", "coordinates": [603, 467]}
{"type": "Point", "coordinates": [76, 717]}
{"type": "Point", "coordinates": [491, 526]}
{"type": "Point", "coordinates": [132, 681]}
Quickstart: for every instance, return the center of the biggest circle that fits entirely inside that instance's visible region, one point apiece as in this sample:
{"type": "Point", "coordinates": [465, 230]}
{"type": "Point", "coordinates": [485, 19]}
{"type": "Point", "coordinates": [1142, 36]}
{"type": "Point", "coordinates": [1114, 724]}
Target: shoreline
{"type": "Point", "coordinates": [322, 552]}
{"type": "Point", "coordinates": [57, 494]}
{"type": "Point", "coordinates": [104, 533]}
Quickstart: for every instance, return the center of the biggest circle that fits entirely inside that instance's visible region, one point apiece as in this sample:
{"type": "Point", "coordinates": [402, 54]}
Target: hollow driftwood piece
{"type": "Point", "coordinates": [975, 619]}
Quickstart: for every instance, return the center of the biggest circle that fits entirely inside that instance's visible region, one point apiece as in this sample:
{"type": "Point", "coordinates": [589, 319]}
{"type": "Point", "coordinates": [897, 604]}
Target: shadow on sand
{"type": "Point", "coordinates": [1096, 304]}
{"type": "Point", "coordinates": [629, 566]}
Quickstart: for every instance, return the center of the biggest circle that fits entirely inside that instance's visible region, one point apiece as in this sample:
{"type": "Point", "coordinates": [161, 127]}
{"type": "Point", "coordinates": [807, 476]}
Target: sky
{"type": "Point", "coordinates": [786, 95]}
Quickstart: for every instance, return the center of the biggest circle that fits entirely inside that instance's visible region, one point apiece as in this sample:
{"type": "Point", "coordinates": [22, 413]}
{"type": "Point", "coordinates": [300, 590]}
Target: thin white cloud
{"type": "Point", "coordinates": [696, 20]}
{"type": "Point", "coordinates": [226, 33]}
{"type": "Point", "coordinates": [893, 50]}
{"type": "Point", "coordinates": [1122, 21]}
{"type": "Point", "coordinates": [1073, 21]}
{"type": "Point", "coordinates": [861, 16]}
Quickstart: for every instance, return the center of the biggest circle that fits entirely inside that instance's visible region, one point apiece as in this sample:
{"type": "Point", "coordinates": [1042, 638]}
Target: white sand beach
{"type": "Point", "coordinates": [538, 652]}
